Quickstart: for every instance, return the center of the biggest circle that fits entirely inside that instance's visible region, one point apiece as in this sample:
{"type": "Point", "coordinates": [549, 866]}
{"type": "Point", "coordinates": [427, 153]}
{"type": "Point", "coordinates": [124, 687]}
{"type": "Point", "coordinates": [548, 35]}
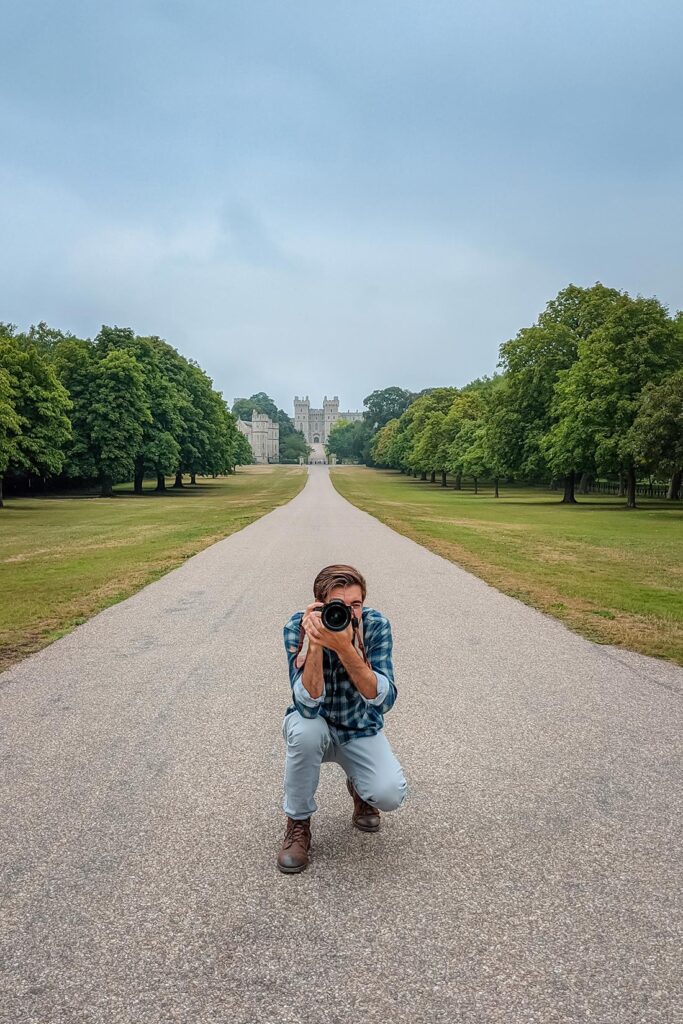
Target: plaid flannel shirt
{"type": "Point", "coordinates": [341, 704]}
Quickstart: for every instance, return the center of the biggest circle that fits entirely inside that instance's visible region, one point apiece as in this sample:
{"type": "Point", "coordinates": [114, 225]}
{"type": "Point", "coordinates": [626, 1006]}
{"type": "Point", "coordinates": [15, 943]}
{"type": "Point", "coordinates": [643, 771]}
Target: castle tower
{"type": "Point", "coordinates": [273, 441]}
{"type": "Point", "coordinates": [302, 415]}
{"type": "Point", "coordinates": [331, 413]}
{"type": "Point", "coordinates": [259, 435]}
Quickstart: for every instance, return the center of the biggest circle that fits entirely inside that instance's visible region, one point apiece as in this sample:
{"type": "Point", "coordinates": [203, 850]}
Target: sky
{"type": "Point", "coordinates": [321, 198]}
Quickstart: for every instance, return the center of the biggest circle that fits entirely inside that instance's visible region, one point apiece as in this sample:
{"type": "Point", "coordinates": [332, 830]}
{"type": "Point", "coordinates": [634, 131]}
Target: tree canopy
{"type": "Point", "coordinates": [109, 409]}
{"type": "Point", "coordinates": [592, 387]}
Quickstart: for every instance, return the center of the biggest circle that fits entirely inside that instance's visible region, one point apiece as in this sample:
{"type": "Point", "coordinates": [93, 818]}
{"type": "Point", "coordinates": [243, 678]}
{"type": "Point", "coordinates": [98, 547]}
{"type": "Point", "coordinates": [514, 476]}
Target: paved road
{"type": "Point", "coordinates": [531, 876]}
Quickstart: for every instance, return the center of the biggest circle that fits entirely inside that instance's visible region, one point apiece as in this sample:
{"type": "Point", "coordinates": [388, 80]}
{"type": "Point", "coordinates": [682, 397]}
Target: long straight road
{"type": "Point", "coordinates": [530, 876]}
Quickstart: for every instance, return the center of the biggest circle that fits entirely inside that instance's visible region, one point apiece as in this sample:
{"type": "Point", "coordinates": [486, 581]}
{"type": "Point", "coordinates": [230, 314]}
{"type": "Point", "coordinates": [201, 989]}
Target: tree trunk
{"type": "Point", "coordinates": [2, 503]}
{"type": "Point", "coordinates": [475, 485]}
{"type": "Point", "coordinates": [443, 477]}
{"type": "Point", "coordinates": [497, 495]}
{"type": "Point", "coordinates": [631, 487]}
{"type": "Point", "coordinates": [432, 478]}
{"type": "Point", "coordinates": [193, 478]}
{"type": "Point", "coordinates": [423, 474]}
{"type": "Point", "coordinates": [458, 482]}
{"type": "Point", "coordinates": [161, 482]}
{"type": "Point", "coordinates": [585, 483]}
{"type": "Point", "coordinates": [673, 494]}
{"type": "Point", "coordinates": [569, 484]}
{"type": "Point", "coordinates": [178, 480]}
{"type": "Point", "coordinates": [139, 475]}
{"type": "Point", "coordinates": [107, 487]}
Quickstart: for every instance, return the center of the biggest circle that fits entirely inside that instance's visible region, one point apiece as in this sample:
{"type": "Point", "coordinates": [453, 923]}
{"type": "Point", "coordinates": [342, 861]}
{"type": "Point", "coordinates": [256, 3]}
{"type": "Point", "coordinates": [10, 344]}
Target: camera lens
{"type": "Point", "coordinates": [336, 616]}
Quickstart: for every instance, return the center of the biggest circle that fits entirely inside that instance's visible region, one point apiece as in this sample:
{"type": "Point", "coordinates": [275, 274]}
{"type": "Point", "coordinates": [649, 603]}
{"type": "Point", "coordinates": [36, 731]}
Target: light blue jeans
{"type": "Point", "coordinates": [368, 761]}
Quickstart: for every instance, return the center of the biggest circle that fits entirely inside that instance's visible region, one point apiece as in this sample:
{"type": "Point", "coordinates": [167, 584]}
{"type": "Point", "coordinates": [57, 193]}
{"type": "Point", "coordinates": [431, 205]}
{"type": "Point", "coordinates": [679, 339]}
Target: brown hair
{"type": "Point", "coordinates": [337, 576]}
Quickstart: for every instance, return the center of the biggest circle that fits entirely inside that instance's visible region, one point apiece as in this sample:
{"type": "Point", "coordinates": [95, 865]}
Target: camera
{"type": "Point", "coordinates": [336, 615]}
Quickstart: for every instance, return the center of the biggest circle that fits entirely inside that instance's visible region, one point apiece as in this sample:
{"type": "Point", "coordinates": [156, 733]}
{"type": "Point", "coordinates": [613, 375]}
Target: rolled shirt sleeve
{"type": "Point", "coordinates": [379, 649]}
{"type": "Point", "coordinates": [306, 705]}
{"type": "Point", "coordinates": [383, 687]}
{"type": "Point", "coordinates": [302, 696]}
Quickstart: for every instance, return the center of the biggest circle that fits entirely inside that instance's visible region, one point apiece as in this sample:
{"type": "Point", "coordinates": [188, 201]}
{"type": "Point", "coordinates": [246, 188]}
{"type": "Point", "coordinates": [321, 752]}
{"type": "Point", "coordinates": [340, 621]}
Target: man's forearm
{"type": "Point", "coordinates": [360, 674]}
{"type": "Point", "coordinates": [312, 677]}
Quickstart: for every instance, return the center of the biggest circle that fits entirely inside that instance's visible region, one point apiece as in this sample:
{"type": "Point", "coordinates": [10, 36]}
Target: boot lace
{"type": "Point", "coordinates": [297, 831]}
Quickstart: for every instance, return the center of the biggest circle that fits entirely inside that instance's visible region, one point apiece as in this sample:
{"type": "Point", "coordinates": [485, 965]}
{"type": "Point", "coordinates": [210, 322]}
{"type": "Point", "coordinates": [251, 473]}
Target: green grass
{"type": "Point", "coordinates": [612, 574]}
{"type": "Point", "coordinates": [62, 559]}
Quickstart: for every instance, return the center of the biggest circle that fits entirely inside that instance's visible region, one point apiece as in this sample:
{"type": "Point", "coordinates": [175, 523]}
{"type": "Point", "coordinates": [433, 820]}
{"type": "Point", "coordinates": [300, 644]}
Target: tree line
{"type": "Point", "coordinates": [593, 388]}
{"type": "Point", "coordinates": [115, 408]}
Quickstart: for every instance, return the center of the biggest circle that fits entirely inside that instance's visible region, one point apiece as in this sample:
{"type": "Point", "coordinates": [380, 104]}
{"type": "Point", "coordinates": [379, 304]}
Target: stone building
{"type": "Point", "coordinates": [315, 424]}
{"type": "Point", "coordinates": [263, 435]}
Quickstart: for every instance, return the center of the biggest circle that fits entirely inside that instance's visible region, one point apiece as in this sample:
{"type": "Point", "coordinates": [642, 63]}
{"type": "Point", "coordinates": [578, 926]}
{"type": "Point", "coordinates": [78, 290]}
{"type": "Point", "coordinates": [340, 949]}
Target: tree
{"type": "Point", "coordinates": [10, 425]}
{"type": "Point", "coordinates": [381, 443]}
{"type": "Point", "coordinates": [423, 452]}
{"type": "Point", "coordinates": [118, 415]}
{"type": "Point", "coordinates": [110, 411]}
{"type": "Point", "coordinates": [387, 404]}
{"type": "Point", "coordinates": [243, 407]}
{"type": "Point", "coordinates": [159, 450]}
{"type": "Point", "coordinates": [532, 363]}
{"type": "Point", "coordinates": [400, 442]}
{"type": "Point", "coordinates": [461, 427]}
{"type": "Point", "coordinates": [347, 440]}
{"type": "Point", "coordinates": [656, 435]}
{"type": "Point", "coordinates": [492, 454]}
{"type": "Point", "coordinates": [191, 420]}
{"type": "Point", "coordinates": [597, 399]}
{"type": "Point", "coordinates": [427, 444]}
{"type": "Point", "coordinates": [203, 425]}
{"type": "Point", "coordinates": [40, 404]}
{"type": "Point", "coordinates": [293, 444]}
{"type": "Point", "coordinates": [45, 338]}
{"type": "Point", "coordinates": [74, 361]}
{"type": "Point", "coordinates": [293, 447]}
{"type": "Point", "coordinates": [243, 453]}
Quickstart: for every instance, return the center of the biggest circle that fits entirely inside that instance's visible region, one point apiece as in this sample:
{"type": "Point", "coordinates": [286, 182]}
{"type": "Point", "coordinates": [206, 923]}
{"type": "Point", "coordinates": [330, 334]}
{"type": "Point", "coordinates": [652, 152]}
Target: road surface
{"type": "Point", "coordinates": [530, 876]}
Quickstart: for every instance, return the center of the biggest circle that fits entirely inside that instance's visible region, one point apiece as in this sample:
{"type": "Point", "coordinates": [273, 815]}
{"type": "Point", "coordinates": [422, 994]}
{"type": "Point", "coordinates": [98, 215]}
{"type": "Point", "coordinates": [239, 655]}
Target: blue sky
{"type": "Point", "coordinates": [328, 198]}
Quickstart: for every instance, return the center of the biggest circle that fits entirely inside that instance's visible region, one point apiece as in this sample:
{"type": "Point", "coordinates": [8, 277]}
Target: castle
{"type": "Point", "coordinates": [315, 424]}
{"type": "Point", "coordinates": [263, 435]}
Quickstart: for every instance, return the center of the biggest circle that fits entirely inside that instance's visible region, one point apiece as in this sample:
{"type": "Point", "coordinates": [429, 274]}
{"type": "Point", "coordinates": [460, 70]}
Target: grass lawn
{"type": "Point", "coordinates": [612, 574]}
{"type": "Point", "coordinates": [64, 558]}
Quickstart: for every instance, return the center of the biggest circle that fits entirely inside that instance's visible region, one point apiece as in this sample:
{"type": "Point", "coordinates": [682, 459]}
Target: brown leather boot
{"type": "Point", "coordinates": [293, 856]}
{"type": "Point", "coordinates": [365, 816]}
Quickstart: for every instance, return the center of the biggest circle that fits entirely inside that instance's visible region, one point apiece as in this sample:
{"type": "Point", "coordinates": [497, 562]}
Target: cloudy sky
{"type": "Point", "coordinates": [321, 197]}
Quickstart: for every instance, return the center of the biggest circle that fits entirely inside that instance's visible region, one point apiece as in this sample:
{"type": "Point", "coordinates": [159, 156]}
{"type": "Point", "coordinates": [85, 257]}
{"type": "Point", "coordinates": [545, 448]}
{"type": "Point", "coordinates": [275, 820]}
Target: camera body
{"type": "Point", "coordinates": [336, 616]}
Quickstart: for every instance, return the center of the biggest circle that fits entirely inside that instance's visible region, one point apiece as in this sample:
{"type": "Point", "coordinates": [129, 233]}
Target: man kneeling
{"type": "Point", "coordinates": [342, 686]}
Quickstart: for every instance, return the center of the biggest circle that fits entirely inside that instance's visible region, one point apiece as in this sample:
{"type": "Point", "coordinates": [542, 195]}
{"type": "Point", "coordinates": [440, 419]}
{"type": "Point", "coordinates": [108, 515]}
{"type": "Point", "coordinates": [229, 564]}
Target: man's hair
{"type": "Point", "coordinates": [337, 576]}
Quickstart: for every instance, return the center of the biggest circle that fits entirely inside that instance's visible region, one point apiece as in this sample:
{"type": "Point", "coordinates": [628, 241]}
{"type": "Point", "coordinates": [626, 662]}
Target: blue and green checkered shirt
{"type": "Point", "coordinates": [341, 704]}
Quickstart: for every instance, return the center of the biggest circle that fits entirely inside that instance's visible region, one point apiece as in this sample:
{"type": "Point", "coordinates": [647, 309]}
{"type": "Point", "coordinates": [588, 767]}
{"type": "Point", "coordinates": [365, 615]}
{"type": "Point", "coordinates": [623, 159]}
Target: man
{"type": "Point", "coordinates": [342, 686]}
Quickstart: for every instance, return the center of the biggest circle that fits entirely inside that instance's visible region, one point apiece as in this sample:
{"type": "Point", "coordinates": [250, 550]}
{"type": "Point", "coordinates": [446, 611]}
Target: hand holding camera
{"type": "Point", "coordinates": [329, 625]}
